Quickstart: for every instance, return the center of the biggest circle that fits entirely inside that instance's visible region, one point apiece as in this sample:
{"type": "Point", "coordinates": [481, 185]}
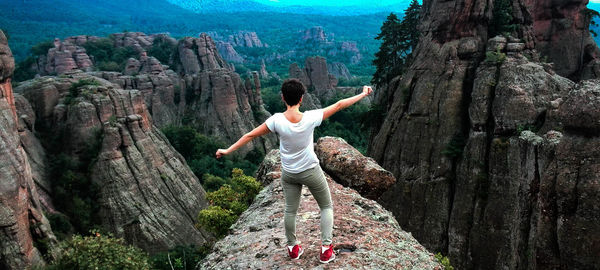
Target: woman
{"type": "Point", "coordinates": [299, 163]}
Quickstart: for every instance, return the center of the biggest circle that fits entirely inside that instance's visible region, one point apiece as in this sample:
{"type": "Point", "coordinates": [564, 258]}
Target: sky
{"type": "Point", "coordinates": [332, 2]}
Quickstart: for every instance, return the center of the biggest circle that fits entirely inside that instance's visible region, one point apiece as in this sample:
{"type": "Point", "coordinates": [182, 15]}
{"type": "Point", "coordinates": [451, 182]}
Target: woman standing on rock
{"type": "Point", "coordinates": [299, 163]}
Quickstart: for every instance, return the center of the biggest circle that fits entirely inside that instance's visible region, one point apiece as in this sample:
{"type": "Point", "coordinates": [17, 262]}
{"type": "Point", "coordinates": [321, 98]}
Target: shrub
{"type": "Point", "coordinates": [211, 182]}
{"type": "Point", "coordinates": [99, 252]}
{"type": "Point", "coordinates": [42, 48]}
{"type": "Point", "coordinates": [216, 219]}
{"type": "Point", "coordinates": [247, 186]}
{"type": "Point", "coordinates": [109, 66]}
{"type": "Point", "coordinates": [61, 226]}
{"type": "Point", "coordinates": [180, 257]}
{"type": "Point", "coordinates": [455, 147]}
{"type": "Point", "coordinates": [228, 202]}
{"type": "Point", "coordinates": [199, 152]}
{"type": "Point", "coordinates": [24, 71]}
{"type": "Point", "coordinates": [495, 58]}
{"type": "Point", "coordinates": [444, 261]}
{"type": "Point", "coordinates": [74, 89]}
{"type": "Point", "coordinates": [74, 193]}
{"type": "Point", "coordinates": [226, 198]}
{"type": "Point", "coordinates": [162, 49]}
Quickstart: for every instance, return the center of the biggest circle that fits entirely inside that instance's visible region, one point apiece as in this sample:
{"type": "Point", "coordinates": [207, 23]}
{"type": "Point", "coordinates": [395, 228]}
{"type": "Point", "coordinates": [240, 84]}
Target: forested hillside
{"type": "Point", "coordinates": [30, 22]}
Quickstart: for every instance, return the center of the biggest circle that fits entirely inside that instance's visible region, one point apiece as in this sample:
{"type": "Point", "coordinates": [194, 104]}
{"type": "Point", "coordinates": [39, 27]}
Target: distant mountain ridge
{"type": "Point", "coordinates": [231, 6]}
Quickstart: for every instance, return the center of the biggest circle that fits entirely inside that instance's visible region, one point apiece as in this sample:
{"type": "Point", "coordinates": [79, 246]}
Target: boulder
{"type": "Point", "coordinates": [366, 236]}
{"type": "Point", "coordinates": [350, 168]}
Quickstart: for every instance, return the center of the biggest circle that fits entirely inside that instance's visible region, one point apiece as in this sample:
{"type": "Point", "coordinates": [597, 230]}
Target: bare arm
{"type": "Point", "coordinates": [347, 102]}
{"type": "Point", "coordinates": [257, 132]}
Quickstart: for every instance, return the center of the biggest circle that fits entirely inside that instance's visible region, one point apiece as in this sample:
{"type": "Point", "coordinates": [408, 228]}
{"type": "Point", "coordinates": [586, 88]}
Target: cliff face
{"type": "Point", "coordinates": [366, 236]}
{"type": "Point", "coordinates": [22, 221]}
{"type": "Point", "coordinates": [482, 147]}
{"type": "Point", "coordinates": [148, 195]}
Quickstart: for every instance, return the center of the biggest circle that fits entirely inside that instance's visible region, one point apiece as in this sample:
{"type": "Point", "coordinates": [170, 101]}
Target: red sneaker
{"type": "Point", "coordinates": [327, 254]}
{"type": "Point", "coordinates": [295, 252]}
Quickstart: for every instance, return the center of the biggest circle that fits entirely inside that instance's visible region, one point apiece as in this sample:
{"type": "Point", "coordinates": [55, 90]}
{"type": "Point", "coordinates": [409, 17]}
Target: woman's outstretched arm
{"type": "Point", "coordinates": [347, 102]}
{"type": "Point", "coordinates": [257, 132]}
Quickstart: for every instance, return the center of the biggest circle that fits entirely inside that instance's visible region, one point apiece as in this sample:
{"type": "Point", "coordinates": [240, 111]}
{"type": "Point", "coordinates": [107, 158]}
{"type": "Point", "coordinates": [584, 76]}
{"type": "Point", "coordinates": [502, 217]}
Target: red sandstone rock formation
{"type": "Point", "coordinates": [149, 196]}
{"type": "Point", "coordinates": [218, 101]}
{"type": "Point", "coordinates": [470, 180]}
{"type": "Point", "coordinates": [21, 217]}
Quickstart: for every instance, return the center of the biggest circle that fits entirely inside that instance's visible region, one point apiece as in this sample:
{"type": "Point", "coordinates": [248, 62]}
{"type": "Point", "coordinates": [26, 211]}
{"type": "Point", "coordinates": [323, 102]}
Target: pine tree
{"type": "Point", "coordinates": [399, 38]}
{"type": "Point", "coordinates": [502, 19]}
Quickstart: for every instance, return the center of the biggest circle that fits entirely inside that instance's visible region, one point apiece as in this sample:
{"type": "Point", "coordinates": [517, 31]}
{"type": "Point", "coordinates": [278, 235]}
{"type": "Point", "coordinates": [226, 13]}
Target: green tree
{"type": "Point", "coordinates": [502, 19]}
{"type": "Point", "coordinates": [591, 16]}
{"type": "Point", "coordinates": [399, 38]}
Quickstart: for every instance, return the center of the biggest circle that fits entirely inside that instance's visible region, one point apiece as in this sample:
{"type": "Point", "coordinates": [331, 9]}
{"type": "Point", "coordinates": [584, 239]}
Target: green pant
{"type": "Point", "coordinates": [315, 180]}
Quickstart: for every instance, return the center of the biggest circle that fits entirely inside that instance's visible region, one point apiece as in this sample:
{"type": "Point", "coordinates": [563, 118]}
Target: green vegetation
{"type": "Point", "coordinates": [455, 147]}
{"type": "Point", "coordinates": [199, 152]}
{"type": "Point", "coordinates": [106, 56]}
{"type": "Point", "coordinates": [74, 193]}
{"type": "Point", "coordinates": [444, 261]}
{"type": "Point", "coordinates": [228, 202]}
{"type": "Point", "coordinates": [180, 258]}
{"type": "Point", "coordinates": [216, 219]}
{"type": "Point", "coordinates": [74, 90]}
{"type": "Point", "coordinates": [399, 37]}
{"type": "Point", "coordinates": [355, 81]}
{"type": "Point", "coordinates": [521, 128]}
{"type": "Point", "coordinates": [162, 49]}
{"type": "Point", "coordinates": [99, 252]}
{"type": "Point", "coordinates": [495, 58]}
{"type": "Point", "coordinates": [502, 20]}
{"type": "Point", "coordinates": [23, 70]}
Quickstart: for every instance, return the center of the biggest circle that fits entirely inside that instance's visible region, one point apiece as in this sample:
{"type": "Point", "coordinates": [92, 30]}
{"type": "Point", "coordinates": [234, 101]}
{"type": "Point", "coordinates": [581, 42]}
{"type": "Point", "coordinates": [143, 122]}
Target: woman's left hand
{"type": "Point", "coordinates": [221, 152]}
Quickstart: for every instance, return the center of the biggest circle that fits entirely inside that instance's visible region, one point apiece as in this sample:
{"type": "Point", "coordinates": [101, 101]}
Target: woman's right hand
{"type": "Point", "coordinates": [367, 90]}
{"type": "Point", "coordinates": [221, 152]}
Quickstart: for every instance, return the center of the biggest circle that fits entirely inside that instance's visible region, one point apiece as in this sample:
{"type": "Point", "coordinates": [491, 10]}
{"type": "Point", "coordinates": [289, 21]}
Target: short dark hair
{"type": "Point", "coordinates": [292, 90]}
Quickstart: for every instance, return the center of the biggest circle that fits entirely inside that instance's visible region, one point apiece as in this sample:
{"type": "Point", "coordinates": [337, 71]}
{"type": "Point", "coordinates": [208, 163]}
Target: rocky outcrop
{"type": "Point", "coordinates": [365, 235]}
{"type": "Point", "coordinates": [314, 41]}
{"type": "Point", "coordinates": [22, 221]}
{"type": "Point", "coordinates": [148, 194]}
{"type": "Point", "coordinates": [315, 77]}
{"type": "Point", "coordinates": [240, 39]}
{"type": "Point", "coordinates": [559, 31]}
{"type": "Point", "coordinates": [65, 56]}
{"type": "Point", "coordinates": [162, 88]}
{"type": "Point", "coordinates": [136, 40]}
{"type": "Point", "coordinates": [314, 35]}
{"type": "Point", "coordinates": [339, 70]}
{"type": "Point", "coordinates": [228, 52]}
{"type": "Point", "coordinates": [263, 70]}
{"type": "Point", "coordinates": [217, 100]}
{"type": "Point", "coordinates": [351, 169]}
{"type": "Point", "coordinates": [471, 180]}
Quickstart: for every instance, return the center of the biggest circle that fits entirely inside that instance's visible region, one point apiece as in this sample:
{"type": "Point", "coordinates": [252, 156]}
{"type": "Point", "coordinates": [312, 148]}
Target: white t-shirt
{"type": "Point", "coordinates": [296, 140]}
